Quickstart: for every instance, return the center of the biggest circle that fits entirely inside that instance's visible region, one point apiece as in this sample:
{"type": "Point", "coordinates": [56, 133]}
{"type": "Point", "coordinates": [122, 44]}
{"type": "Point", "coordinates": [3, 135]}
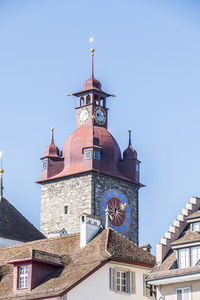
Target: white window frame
{"type": "Point", "coordinates": [194, 262]}
{"type": "Point", "coordinates": [186, 262]}
{"type": "Point", "coordinates": [23, 277]}
{"type": "Point", "coordinates": [197, 225]}
{"type": "Point", "coordinates": [130, 284]}
{"type": "Point", "coordinates": [182, 289]}
{"type": "Point", "coordinates": [121, 276]}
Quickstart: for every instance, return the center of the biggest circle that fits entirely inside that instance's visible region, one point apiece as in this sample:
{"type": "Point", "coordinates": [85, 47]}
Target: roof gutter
{"type": "Point", "coordinates": [173, 279]}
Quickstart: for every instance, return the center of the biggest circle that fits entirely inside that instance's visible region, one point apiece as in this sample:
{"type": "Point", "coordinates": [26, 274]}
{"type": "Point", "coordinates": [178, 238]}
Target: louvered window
{"type": "Point", "coordinates": [122, 280]}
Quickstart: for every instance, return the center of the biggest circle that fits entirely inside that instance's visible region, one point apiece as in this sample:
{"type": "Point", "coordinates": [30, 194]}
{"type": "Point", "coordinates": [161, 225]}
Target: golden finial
{"type": "Point", "coordinates": [129, 130]}
{"type": "Point", "coordinates": [69, 94]}
{"type": "Point", "coordinates": [52, 129]}
{"type": "Point", "coordinates": [114, 95]}
{"type": "Point", "coordinates": [92, 51]}
{"type": "Point", "coordinates": [1, 171]}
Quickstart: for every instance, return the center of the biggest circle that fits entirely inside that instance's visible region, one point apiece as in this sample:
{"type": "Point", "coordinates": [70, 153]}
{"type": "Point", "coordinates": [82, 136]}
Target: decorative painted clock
{"type": "Point", "coordinates": [100, 115]}
{"type": "Point", "coordinates": [118, 210]}
{"type": "Point", "coordinates": [83, 115]}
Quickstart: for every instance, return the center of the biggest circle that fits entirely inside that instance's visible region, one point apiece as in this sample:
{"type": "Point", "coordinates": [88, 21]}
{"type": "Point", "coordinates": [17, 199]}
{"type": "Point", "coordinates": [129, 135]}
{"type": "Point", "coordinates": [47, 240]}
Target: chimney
{"type": "Point", "coordinates": [90, 225]}
{"type": "Point", "coordinates": [146, 247]}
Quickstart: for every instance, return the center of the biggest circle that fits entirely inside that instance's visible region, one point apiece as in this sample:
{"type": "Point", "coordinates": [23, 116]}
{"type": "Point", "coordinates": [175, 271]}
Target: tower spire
{"type": "Point", "coordinates": [52, 136]}
{"type": "Point", "coordinates": [1, 177]}
{"type": "Point", "coordinates": [129, 132]}
{"type": "Point", "coordinates": [92, 54]}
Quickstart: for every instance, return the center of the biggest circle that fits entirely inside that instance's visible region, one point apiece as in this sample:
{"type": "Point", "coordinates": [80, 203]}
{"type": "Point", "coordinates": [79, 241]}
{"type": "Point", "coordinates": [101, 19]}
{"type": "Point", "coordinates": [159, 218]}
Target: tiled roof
{"type": "Point", "coordinates": [195, 215]}
{"type": "Point", "coordinates": [107, 245]}
{"type": "Point", "coordinates": [189, 237]}
{"type": "Point", "coordinates": [39, 255]}
{"type": "Point", "coordinates": [167, 269]}
{"type": "Point", "coordinates": [14, 226]}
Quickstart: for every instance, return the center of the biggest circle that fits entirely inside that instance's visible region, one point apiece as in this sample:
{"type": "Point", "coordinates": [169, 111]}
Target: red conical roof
{"type": "Point", "coordinates": [130, 152]}
{"type": "Point", "coordinates": [51, 150]}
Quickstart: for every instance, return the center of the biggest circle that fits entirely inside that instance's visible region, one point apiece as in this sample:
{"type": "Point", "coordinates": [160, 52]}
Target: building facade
{"type": "Point", "coordinates": [93, 264]}
{"type": "Point", "coordinates": [90, 175]}
{"type": "Point", "coordinates": [176, 275]}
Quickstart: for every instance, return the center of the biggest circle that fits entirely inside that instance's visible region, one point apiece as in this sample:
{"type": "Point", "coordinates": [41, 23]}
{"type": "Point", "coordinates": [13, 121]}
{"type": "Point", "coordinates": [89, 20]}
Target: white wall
{"type": "Point", "coordinates": [96, 286]}
{"type": "Point", "coordinates": [168, 291]}
{"type": "Point", "coordinates": [6, 242]}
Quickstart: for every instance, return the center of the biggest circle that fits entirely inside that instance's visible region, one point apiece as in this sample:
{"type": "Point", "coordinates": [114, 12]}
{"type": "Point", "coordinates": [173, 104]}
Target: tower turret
{"type": "Point", "coordinates": [52, 162]}
{"type": "Point", "coordinates": [130, 165]}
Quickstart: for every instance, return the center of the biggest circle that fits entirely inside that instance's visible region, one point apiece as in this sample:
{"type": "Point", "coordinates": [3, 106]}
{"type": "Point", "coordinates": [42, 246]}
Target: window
{"type": "Point", "coordinates": [88, 99]}
{"type": "Point", "coordinates": [23, 277]}
{"type": "Point", "coordinates": [102, 102]}
{"type": "Point", "coordinates": [122, 285]}
{"type": "Point", "coordinates": [44, 165]}
{"type": "Point", "coordinates": [66, 210]}
{"type": "Point", "coordinates": [88, 154]}
{"type": "Point", "coordinates": [122, 280]}
{"type": "Point", "coordinates": [188, 257]}
{"type": "Point", "coordinates": [183, 255]}
{"type": "Point", "coordinates": [183, 293]}
{"type": "Point", "coordinates": [81, 101]}
{"type": "Point", "coordinates": [137, 167]}
{"type": "Point", "coordinates": [196, 226]}
{"type": "Point", "coordinates": [195, 255]}
{"type": "Point", "coordinates": [97, 155]}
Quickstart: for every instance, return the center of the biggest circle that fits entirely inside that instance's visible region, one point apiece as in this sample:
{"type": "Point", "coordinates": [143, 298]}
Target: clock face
{"type": "Point", "coordinates": [84, 115]}
{"type": "Point", "coordinates": [100, 115]}
{"type": "Point", "coordinates": [118, 210]}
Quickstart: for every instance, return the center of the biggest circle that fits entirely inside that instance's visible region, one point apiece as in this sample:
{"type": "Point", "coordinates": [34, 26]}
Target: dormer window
{"type": "Point", "coordinates": [23, 277]}
{"type": "Point", "coordinates": [196, 226]}
{"type": "Point", "coordinates": [188, 257]}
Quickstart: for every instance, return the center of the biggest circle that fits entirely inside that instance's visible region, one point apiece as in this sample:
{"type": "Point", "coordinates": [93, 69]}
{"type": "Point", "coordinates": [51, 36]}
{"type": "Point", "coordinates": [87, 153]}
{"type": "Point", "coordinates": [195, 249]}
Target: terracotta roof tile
{"type": "Point", "coordinates": [193, 236]}
{"type": "Point", "coordinates": [107, 245]}
{"type": "Point", "coordinates": [195, 215]}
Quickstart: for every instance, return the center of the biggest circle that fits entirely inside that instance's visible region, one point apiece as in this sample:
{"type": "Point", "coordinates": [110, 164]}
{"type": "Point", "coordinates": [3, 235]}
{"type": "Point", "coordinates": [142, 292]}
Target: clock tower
{"type": "Point", "coordinates": [90, 175]}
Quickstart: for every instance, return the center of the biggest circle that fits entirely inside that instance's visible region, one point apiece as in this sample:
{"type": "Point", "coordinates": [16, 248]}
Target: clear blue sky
{"type": "Point", "coordinates": [147, 52]}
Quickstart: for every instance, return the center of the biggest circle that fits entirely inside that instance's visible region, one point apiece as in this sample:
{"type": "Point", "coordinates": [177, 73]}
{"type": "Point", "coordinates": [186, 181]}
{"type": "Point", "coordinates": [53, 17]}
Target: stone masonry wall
{"type": "Point", "coordinates": [83, 193]}
{"type": "Point", "coordinates": [102, 184]}
{"type": "Point", "coordinates": [73, 191]}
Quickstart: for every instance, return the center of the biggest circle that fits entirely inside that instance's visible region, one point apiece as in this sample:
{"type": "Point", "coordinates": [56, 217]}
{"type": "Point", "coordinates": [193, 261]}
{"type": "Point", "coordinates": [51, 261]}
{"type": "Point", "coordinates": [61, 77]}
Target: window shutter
{"type": "Point", "coordinates": [132, 284]}
{"type": "Point", "coordinates": [111, 279]}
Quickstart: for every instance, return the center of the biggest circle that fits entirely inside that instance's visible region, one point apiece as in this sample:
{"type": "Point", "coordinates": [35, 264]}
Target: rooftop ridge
{"type": "Point", "coordinates": [176, 229]}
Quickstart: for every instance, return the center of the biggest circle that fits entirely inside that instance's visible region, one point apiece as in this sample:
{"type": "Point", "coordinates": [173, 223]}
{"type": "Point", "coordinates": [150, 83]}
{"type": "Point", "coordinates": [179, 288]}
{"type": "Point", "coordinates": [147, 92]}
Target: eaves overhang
{"type": "Point", "coordinates": [174, 279]}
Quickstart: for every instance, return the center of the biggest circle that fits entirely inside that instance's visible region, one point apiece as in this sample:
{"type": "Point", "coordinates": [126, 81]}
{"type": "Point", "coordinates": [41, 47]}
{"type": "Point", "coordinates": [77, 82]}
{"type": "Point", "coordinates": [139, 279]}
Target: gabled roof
{"type": "Point", "coordinates": [107, 245]}
{"type": "Point", "coordinates": [189, 237]}
{"type": "Point", "coordinates": [14, 226]}
{"type": "Point", "coordinates": [195, 215]}
{"type": "Point", "coordinates": [169, 268]}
